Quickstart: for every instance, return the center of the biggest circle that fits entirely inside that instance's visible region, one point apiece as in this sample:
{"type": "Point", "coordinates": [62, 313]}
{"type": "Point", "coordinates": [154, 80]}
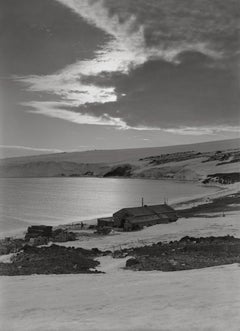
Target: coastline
{"type": "Point", "coordinates": [87, 238]}
{"type": "Point", "coordinates": [12, 222]}
{"type": "Point", "coordinates": [186, 202]}
{"type": "Point", "coordinates": [177, 203]}
{"type": "Point", "coordinates": [222, 190]}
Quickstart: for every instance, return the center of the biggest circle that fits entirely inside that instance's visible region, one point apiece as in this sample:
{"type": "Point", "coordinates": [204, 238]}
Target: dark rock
{"type": "Point", "coordinates": [187, 253]}
{"type": "Point", "coordinates": [60, 235]}
{"type": "Point", "coordinates": [105, 230]}
{"type": "Point", "coordinates": [96, 250]}
{"type": "Point", "coordinates": [132, 263]}
{"type": "Point", "coordinates": [107, 253]}
{"type": "Point", "coordinates": [223, 178]}
{"type": "Point", "coordinates": [10, 245]}
{"type": "Point", "coordinates": [38, 241]}
{"type": "Point", "coordinates": [49, 260]}
{"type": "Point", "coordinates": [120, 171]}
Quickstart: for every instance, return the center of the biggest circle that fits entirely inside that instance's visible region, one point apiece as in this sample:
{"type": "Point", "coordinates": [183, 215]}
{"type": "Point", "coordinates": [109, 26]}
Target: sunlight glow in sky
{"type": "Point", "coordinates": [157, 66]}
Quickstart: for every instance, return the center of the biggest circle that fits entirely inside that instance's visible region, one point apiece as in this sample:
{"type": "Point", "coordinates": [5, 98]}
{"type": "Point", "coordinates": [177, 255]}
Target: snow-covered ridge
{"type": "Point", "coordinates": [185, 162]}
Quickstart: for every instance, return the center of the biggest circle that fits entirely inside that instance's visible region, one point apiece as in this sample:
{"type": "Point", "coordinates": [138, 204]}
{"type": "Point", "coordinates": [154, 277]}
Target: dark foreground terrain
{"type": "Point", "coordinates": [50, 260]}
{"type": "Point", "coordinates": [187, 253]}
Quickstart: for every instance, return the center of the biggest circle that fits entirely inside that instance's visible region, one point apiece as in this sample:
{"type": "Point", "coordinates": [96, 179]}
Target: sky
{"type": "Point", "coordinates": [106, 74]}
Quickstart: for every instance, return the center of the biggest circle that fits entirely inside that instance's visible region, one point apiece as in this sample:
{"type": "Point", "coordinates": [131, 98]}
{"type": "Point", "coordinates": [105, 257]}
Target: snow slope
{"type": "Point", "coordinates": [124, 155]}
{"type": "Point", "coordinates": [101, 162]}
{"type": "Point", "coordinates": [206, 299]}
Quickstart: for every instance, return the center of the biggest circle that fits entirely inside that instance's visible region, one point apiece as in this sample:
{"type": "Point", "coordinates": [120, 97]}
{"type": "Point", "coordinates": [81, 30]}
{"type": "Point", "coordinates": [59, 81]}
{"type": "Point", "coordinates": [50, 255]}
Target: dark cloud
{"type": "Point", "coordinates": [165, 95]}
{"type": "Point", "coordinates": [40, 37]}
{"type": "Point", "coordinates": [166, 21]}
{"type": "Point", "coordinates": [177, 60]}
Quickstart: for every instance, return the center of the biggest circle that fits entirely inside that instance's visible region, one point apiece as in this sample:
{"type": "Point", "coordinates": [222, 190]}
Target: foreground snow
{"type": "Point", "coordinates": [122, 300]}
{"type": "Point", "coordinates": [206, 299]}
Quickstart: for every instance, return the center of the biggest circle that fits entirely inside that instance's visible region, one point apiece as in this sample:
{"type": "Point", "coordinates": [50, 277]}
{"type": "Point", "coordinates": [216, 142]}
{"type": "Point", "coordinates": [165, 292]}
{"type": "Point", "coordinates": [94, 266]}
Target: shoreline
{"type": "Point", "coordinates": [177, 203]}
{"type": "Point", "coordinates": [221, 192]}
{"type": "Point", "coordinates": [8, 224]}
{"type": "Point", "coordinates": [203, 211]}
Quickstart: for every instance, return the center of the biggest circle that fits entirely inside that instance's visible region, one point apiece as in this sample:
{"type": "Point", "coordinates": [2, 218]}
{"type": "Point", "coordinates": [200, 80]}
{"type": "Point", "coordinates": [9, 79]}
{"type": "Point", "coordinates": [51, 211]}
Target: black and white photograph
{"type": "Point", "coordinates": [119, 165]}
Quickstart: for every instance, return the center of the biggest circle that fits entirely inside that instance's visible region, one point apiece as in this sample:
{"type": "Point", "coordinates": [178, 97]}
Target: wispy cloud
{"type": "Point", "coordinates": [55, 109]}
{"type": "Point", "coordinates": [124, 49]}
{"type": "Point", "coordinates": [28, 148]}
{"type": "Point", "coordinates": [199, 131]}
{"type": "Point", "coordinates": [7, 151]}
{"type": "Point", "coordinates": [127, 47]}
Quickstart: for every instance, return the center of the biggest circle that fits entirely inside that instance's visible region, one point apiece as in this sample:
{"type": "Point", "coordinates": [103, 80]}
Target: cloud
{"type": "Point", "coordinates": [163, 95]}
{"type": "Point", "coordinates": [138, 33]}
{"type": "Point", "coordinates": [116, 55]}
{"type": "Point", "coordinates": [165, 28]}
{"type": "Point", "coordinates": [55, 110]}
{"type": "Point", "coordinates": [199, 131]}
{"type": "Point", "coordinates": [28, 148]}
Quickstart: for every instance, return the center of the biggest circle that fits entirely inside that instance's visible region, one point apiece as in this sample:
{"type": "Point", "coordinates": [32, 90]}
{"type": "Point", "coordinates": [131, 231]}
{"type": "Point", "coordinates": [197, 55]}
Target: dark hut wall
{"type": "Point", "coordinates": [146, 215]}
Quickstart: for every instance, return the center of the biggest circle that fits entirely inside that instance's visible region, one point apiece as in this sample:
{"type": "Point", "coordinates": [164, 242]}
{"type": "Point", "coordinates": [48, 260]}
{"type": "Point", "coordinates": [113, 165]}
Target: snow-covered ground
{"type": "Point", "coordinates": [123, 300]}
{"type": "Point", "coordinates": [205, 299]}
{"type": "Point", "coordinates": [218, 225]}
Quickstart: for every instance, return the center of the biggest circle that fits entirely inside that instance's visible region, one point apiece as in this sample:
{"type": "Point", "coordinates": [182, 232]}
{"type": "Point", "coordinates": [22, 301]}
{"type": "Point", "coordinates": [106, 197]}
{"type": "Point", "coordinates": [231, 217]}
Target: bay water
{"type": "Point", "coordinates": [54, 201]}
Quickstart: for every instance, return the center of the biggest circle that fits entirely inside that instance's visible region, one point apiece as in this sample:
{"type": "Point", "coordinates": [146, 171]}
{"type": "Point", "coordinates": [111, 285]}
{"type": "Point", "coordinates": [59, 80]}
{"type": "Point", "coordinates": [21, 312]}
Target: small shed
{"type": "Point", "coordinates": [105, 222]}
{"type": "Point", "coordinates": [36, 231]}
{"type": "Point", "coordinates": [138, 217]}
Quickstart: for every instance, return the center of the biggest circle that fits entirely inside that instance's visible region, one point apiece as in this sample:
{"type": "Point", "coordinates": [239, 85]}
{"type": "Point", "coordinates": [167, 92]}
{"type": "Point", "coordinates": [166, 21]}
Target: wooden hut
{"type": "Point", "coordinates": [138, 217]}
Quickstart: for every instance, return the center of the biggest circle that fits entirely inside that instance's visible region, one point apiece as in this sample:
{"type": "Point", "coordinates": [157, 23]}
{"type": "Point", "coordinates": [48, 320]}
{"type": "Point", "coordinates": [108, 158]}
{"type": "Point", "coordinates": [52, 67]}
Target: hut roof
{"type": "Point", "coordinates": [149, 210]}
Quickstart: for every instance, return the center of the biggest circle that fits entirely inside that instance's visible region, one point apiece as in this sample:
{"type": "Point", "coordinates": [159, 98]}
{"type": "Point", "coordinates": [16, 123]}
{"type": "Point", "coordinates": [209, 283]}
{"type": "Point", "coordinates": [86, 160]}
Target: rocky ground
{"type": "Point", "coordinates": [222, 204]}
{"type": "Point", "coordinates": [50, 260]}
{"type": "Point", "coordinates": [184, 254]}
{"type": "Point", "coordinates": [187, 253]}
{"type": "Point", "coordinates": [10, 245]}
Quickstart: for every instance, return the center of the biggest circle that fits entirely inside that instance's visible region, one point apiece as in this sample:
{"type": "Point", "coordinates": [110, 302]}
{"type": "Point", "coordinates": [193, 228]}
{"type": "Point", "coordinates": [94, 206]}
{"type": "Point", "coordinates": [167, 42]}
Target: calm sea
{"type": "Point", "coordinates": [54, 201]}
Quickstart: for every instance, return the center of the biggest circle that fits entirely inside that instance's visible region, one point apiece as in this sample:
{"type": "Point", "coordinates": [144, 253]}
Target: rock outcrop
{"type": "Point", "coordinates": [50, 260]}
{"type": "Point", "coordinates": [187, 253]}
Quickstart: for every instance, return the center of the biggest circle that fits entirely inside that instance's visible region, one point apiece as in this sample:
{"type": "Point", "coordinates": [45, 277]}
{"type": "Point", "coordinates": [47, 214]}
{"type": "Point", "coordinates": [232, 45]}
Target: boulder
{"type": "Point", "coordinates": [132, 262]}
{"type": "Point", "coordinates": [38, 241]}
{"type": "Point", "coordinates": [61, 235]}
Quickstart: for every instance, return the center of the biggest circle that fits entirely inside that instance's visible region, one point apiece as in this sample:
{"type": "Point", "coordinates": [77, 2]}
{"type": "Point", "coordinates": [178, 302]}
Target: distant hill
{"type": "Point", "coordinates": [124, 155]}
{"type": "Point", "coordinates": [120, 162]}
